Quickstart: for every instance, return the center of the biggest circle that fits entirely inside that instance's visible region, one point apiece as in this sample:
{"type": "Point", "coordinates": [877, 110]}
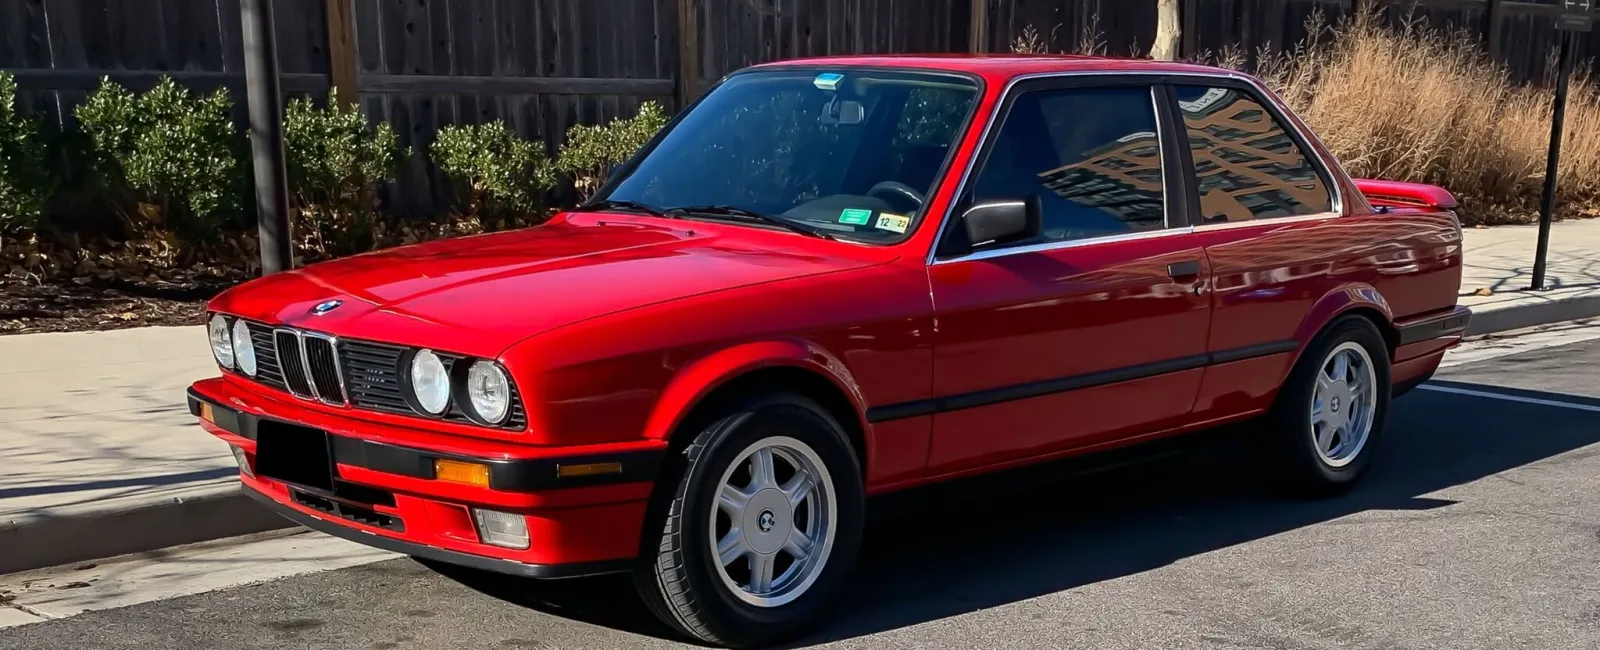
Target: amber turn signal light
{"type": "Point", "coordinates": [591, 469]}
{"type": "Point", "coordinates": [456, 471]}
{"type": "Point", "coordinates": [205, 412]}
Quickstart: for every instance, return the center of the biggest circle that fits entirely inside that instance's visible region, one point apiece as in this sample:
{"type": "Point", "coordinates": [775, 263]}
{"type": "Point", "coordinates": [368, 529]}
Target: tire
{"type": "Point", "coordinates": [681, 577]}
{"type": "Point", "coordinates": [1312, 465]}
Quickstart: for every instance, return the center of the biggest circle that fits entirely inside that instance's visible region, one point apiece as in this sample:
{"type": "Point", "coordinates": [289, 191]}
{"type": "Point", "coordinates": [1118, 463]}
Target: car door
{"type": "Point", "coordinates": [1270, 224]}
{"type": "Point", "coordinates": [1095, 329]}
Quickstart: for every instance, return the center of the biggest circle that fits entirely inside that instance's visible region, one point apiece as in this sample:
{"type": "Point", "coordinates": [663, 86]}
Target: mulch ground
{"type": "Point", "coordinates": [28, 306]}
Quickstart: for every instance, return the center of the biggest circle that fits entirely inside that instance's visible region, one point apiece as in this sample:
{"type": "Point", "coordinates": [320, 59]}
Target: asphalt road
{"type": "Point", "coordinates": [1479, 528]}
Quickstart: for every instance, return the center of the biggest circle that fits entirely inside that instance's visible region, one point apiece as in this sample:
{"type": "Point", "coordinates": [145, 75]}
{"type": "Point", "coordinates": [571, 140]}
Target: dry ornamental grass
{"type": "Point", "coordinates": [1415, 104]}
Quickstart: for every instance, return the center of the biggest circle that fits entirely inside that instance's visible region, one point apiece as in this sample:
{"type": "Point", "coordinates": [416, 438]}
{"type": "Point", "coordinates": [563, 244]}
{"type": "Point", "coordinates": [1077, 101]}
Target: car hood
{"type": "Point", "coordinates": [479, 295]}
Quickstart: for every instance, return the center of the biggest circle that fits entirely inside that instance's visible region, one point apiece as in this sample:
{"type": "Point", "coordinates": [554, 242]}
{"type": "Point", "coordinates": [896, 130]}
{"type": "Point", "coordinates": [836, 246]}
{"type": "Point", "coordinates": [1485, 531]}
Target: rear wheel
{"type": "Point", "coordinates": [758, 529]}
{"type": "Point", "coordinates": [1329, 415]}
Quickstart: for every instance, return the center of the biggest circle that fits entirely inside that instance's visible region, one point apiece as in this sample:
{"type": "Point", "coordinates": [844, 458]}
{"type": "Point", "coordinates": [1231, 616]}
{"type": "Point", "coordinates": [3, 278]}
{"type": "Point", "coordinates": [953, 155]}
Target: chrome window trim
{"type": "Point", "coordinates": [1335, 191]}
{"type": "Point", "coordinates": [1066, 243]}
{"type": "Point", "coordinates": [1299, 218]}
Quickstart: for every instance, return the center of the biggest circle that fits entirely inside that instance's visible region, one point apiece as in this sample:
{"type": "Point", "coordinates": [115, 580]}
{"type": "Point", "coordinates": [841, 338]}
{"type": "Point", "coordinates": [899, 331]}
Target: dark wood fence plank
{"type": "Point", "coordinates": [341, 36]}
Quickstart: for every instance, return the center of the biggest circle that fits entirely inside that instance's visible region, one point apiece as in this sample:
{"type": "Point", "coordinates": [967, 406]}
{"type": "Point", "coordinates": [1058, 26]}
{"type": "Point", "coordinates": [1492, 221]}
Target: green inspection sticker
{"type": "Point", "coordinates": [855, 217]}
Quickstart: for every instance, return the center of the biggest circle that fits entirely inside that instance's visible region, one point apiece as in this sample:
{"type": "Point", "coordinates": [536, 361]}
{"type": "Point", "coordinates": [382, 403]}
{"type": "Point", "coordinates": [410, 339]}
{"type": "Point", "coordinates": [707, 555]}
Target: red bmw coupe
{"type": "Point", "coordinates": [830, 279]}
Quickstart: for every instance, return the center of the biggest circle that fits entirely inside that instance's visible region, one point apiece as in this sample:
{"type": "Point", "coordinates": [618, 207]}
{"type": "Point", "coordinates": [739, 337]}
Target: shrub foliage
{"type": "Point", "coordinates": [503, 177]}
{"type": "Point", "coordinates": [591, 151]}
{"type": "Point", "coordinates": [25, 180]}
{"type": "Point", "coordinates": [178, 154]}
{"type": "Point", "coordinates": [335, 161]}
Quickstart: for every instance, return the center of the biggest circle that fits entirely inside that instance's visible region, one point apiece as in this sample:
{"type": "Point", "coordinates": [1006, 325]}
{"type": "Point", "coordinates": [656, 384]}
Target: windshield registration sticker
{"type": "Point", "coordinates": [855, 217]}
{"type": "Point", "coordinates": [894, 223]}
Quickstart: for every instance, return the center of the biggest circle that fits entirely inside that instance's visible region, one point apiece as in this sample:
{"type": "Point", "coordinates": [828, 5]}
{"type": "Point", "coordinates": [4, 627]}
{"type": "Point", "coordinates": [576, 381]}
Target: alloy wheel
{"type": "Point", "coordinates": [771, 530]}
{"type": "Point", "coordinates": [1343, 403]}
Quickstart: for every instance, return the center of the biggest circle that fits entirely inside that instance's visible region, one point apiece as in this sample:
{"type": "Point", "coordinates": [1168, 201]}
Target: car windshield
{"type": "Point", "coordinates": [847, 152]}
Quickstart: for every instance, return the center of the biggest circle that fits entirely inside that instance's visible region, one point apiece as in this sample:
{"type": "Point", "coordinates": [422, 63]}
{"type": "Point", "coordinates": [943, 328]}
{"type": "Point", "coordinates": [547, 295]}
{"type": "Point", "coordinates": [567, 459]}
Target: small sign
{"type": "Point", "coordinates": [894, 223]}
{"type": "Point", "coordinates": [855, 217]}
{"type": "Point", "coordinates": [1576, 16]}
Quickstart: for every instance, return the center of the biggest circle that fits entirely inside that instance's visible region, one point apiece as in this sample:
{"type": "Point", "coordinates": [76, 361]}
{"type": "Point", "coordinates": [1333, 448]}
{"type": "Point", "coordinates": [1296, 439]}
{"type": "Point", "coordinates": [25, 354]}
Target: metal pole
{"type": "Point", "coordinates": [266, 134]}
{"type": "Point", "coordinates": [1548, 202]}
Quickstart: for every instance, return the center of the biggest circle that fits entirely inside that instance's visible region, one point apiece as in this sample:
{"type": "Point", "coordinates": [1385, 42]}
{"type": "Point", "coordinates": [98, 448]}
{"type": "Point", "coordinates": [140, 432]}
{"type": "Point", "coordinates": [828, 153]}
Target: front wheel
{"type": "Point", "coordinates": [1329, 414]}
{"type": "Point", "coordinates": [762, 525]}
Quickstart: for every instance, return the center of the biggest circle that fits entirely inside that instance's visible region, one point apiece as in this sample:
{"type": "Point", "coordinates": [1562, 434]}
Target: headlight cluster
{"type": "Point", "coordinates": [479, 387]}
{"type": "Point", "coordinates": [231, 344]}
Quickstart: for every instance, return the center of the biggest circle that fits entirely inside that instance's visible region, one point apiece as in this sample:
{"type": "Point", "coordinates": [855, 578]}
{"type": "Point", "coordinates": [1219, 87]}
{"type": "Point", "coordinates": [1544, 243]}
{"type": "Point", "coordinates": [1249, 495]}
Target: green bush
{"type": "Point", "coordinates": [504, 176]}
{"type": "Point", "coordinates": [178, 154]}
{"type": "Point", "coordinates": [25, 180]}
{"type": "Point", "coordinates": [335, 161]}
{"type": "Point", "coordinates": [591, 151]}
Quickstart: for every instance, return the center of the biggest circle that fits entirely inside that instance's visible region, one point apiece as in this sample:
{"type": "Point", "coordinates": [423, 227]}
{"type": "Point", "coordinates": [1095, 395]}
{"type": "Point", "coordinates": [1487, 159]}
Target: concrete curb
{"type": "Point", "coordinates": [57, 540]}
{"type": "Point", "coordinates": [1531, 312]}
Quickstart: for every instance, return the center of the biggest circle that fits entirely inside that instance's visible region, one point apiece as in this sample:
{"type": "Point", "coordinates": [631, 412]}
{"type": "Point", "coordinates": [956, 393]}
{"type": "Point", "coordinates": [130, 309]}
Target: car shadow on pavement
{"type": "Point", "coordinates": [986, 542]}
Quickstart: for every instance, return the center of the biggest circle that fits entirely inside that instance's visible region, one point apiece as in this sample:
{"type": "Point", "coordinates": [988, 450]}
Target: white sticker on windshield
{"type": "Point", "coordinates": [828, 81]}
{"type": "Point", "coordinates": [893, 223]}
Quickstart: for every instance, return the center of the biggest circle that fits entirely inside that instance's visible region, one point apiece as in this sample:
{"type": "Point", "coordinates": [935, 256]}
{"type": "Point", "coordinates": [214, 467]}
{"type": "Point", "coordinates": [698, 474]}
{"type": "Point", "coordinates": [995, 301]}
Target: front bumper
{"type": "Point", "coordinates": [381, 489]}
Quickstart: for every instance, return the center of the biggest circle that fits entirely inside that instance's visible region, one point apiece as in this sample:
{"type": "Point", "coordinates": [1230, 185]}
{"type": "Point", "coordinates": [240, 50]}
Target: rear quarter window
{"type": "Point", "coordinates": [1248, 166]}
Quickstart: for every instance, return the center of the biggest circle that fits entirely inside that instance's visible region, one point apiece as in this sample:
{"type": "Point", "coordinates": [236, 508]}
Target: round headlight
{"type": "Point", "coordinates": [430, 385]}
{"type": "Point", "coordinates": [244, 349]}
{"type": "Point", "coordinates": [489, 391]}
{"type": "Point", "coordinates": [221, 347]}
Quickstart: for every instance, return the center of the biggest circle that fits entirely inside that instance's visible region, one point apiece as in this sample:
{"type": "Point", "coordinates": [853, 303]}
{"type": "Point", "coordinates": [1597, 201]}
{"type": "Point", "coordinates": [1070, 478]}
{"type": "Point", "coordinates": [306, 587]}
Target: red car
{"type": "Point", "coordinates": [831, 279]}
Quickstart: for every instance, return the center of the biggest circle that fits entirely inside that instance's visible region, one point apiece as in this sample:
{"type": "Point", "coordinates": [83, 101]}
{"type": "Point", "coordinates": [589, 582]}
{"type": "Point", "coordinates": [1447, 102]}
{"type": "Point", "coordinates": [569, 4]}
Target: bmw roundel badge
{"type": "Point", "coordinates": [325, 307]}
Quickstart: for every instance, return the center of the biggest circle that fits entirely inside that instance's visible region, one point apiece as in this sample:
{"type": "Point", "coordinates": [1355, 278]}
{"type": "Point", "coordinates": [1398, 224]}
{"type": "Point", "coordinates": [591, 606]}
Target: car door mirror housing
{"type": "Point", "coordinates": [1001, 221]}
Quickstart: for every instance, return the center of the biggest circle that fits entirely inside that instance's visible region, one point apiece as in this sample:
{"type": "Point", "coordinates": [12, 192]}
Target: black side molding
{"type": "Point", "coordinates": [1076, 382]}
{"type": "Point", "coordinates": [436, 554]}
{"type": "Point", "coordinates": [525, 475]}
{"type": "Point", "coordinates": [1453, 322]}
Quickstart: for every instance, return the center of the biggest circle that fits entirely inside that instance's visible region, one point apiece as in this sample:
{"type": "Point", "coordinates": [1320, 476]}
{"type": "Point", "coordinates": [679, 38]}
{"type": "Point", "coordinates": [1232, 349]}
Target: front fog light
{"type": "Point", "coordinates": [221, 345]}
{"type": "Point", "coordinates": [243, 460]}
{"type": "Point", "coordinates": [501, 528]}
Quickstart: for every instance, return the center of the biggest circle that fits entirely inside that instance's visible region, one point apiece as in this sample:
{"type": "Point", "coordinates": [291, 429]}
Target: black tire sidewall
{"type": "Point", "coordinates": [730, 619]}
{"type": "Point", "coordinates": [1293, 417]}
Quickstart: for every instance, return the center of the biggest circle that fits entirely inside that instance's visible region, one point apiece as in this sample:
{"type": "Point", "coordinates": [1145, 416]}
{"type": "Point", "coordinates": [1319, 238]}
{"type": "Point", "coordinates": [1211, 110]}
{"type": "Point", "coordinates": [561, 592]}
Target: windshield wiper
{"type": "Point", "coordinates": [609, 204]}
{"type": "Point", "coordinates": [733, 211]}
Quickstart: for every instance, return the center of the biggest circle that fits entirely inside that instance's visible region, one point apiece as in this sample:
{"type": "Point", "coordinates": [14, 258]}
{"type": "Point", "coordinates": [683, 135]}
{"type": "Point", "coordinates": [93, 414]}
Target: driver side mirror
{"type": "Point", "coordinates": [998, 222]}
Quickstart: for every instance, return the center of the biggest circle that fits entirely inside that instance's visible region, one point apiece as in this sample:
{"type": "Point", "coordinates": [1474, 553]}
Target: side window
{"type": "Point", "coordinates": [1248, 166]}
{"type": "Point", "coordinates": [1091, 155]}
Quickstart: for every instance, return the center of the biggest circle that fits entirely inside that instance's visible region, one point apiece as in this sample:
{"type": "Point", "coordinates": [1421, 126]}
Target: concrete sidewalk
{"type": "Point", "coordinates": [102, 457]}
{"type": "Point", "coordinates": [1499, 270]}
{"type": "Point", "coordinates": [101, 454]}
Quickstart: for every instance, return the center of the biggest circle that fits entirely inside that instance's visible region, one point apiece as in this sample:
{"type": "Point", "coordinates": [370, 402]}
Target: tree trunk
{"type": "Point", "coordinates": [1168, 34]}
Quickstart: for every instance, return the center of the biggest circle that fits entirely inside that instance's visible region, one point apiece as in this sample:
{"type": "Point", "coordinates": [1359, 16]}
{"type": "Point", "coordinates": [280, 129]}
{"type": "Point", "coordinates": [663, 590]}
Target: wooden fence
{"type": "Point", "coordinates": [1519, 33]}
{"type": "Point", "coordinates": [544, 65]}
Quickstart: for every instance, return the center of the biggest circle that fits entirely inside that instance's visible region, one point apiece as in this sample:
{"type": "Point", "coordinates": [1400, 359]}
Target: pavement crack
{"type": "Point", "coordinates": [26, 610]}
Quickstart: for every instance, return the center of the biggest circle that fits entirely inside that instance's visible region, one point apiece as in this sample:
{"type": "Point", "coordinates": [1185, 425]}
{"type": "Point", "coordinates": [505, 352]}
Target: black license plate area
{"type": "Point", "coordinates": [294, 454]}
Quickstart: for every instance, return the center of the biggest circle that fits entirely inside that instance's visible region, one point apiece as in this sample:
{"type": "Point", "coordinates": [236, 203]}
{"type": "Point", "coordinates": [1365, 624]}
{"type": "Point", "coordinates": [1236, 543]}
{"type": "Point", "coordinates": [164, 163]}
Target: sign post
{"type": "Point", "coordinates": [266, 134]}
{"type": "Point", "coordinates": [1575, 16]}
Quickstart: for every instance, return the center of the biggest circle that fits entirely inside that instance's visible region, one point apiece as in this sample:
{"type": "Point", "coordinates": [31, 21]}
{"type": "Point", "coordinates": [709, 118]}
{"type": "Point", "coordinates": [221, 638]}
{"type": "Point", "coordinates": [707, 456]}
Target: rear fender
{"type": "Point", "coordinates": [1346, 299]}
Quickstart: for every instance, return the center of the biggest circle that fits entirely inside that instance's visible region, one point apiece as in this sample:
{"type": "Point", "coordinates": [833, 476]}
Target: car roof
{"type": "Point", "coordinates": [1003, 67]}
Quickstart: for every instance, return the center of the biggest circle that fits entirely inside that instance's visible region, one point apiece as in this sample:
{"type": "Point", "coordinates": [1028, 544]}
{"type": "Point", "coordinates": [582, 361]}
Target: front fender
{"type": "Point", "coordinates": [700, 377]}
